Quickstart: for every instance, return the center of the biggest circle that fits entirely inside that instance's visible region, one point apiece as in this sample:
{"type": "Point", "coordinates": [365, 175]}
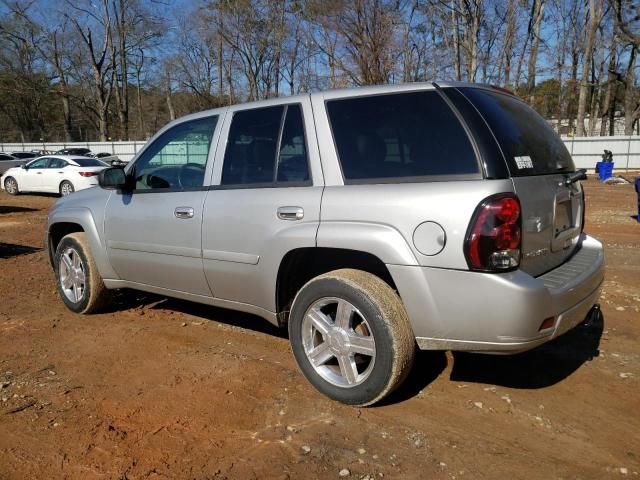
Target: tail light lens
{"type": "Point", "coordinates": [89, 174]}
{"type": "Point", "coordinates": [494, 236]}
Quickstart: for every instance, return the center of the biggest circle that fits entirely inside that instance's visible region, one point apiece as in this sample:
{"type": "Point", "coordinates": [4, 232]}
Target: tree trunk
{"type": "Point", "coordinates": [537, 11]}
{"type": "Point", "coordinates": [630, 108]}
{"type": "Point", "coordinates": [508, 42]}
{"type": "Point", "coordinates": [172, 112]}
{"type": "Point", "coordinates": [595, 12]}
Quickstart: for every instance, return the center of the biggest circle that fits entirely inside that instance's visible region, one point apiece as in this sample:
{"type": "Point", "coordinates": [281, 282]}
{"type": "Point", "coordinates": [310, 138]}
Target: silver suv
{"type": "Point", "coordinates": [371, 221]}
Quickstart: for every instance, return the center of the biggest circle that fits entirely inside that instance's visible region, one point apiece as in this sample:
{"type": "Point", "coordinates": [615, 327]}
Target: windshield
{"type": "Point", "coordinates": [529, 144]}
{"type": "Point", "coordinates": [89, 162]}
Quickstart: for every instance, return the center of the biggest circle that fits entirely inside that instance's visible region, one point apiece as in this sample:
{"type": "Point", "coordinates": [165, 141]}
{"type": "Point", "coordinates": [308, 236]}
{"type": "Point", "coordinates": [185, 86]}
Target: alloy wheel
{"type": "Point", "coordinates": [338, 342]}
{"type": "Point", "coordinates": [72, 275]}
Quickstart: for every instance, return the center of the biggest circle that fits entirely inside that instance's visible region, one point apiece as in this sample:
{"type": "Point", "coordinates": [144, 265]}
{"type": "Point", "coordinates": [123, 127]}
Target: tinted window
{"type": "Point", "coordinates": [401, 135]}
{"type": "Point", "coordinates": [58, 163]}
{"type": "Point", "coordinates": [39, 163]}
{"type": "Point", "coordinates": [24, 155]}
{"type": "Point", "coordinates": [6, 157]}
{"type": "Point", "coordinates": [252, 155]}
{"type": "Point", "coordinates": [292, 159]}
{"type": "Point", "coordinates": [528, 142]}
{"type": "Point", "coordinates": [178, 158]}
{"type": "Point", "coordinates": [88, 162]}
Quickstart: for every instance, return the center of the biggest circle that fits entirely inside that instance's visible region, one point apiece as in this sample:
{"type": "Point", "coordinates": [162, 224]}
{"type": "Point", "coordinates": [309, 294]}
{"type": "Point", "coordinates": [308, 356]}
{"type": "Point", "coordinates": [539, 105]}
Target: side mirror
{"type": "Point", "coordinates": [113, 178]}
{"type": "Point", "coordinates": [24, 166]}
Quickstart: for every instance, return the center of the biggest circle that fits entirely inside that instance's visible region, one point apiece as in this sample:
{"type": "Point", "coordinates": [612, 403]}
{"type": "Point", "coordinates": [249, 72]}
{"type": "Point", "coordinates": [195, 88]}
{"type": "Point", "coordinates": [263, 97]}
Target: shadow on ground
{"type": "Point", "coordinates": [428, 366]}
{"type": "Point", "coordinates": [8, 250]}
{"type": "Point", "coordinates": [126, 299]}
{"type": "Point", "coordinates": [15, 209]}
{"type": "Point", "coordinates": [539, 368]}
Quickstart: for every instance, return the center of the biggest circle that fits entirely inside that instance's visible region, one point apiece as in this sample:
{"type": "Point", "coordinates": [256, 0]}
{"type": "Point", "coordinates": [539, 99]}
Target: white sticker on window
{"type": "Point", "coordinates": [524, 162]}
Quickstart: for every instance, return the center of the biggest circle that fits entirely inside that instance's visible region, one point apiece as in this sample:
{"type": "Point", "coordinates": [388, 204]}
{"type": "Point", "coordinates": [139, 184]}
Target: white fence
{"type": "Point", "coordinates": [124, 150]}
{"type": "Point", "coordinates": [586, 151]}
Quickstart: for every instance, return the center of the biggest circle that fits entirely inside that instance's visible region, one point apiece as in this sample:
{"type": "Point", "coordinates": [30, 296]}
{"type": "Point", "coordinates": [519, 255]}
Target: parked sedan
{"type": "Point", "coordinates": [8, 161]}
{"type": "Point", "coordinates": [53, 174]}
{"type": "Point", "coordinates": [24, 155]}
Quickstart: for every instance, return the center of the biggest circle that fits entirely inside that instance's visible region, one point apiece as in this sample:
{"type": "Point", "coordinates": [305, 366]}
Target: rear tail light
{"type": "Point", "coordinates": [89, 174]}
{"type": "Point", "coordinates": [494, 236]}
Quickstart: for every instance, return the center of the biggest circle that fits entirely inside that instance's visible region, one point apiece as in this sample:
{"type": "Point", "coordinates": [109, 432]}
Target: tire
{"type": "Point", "coordinates": [66, 188]}
{"type": "Point", "coordinates": [354, 328]}
{"type": "Point", "coordinates": [11, 186]}
{"type": "Point", "coordinates": [77, 279]}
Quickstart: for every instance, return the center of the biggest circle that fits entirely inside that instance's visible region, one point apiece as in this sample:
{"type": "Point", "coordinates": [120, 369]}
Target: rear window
{"type": "Point", "coordinates": [529, 144]}
{"type": "Point", "coordinates": [401, 136]}
{"type": "Point", "coordinates": [89, 162]}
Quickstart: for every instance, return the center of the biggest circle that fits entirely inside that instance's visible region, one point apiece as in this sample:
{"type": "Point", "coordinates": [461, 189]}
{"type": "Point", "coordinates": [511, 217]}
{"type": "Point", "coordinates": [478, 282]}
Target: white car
{"type": "Point", "coordinates": [53, 174]}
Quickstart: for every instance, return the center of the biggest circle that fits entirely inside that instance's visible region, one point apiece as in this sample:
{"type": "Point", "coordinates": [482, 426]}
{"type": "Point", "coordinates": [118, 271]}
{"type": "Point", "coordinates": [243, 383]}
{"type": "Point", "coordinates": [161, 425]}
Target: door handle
{"type": "Point", "coordinates": [183, 212]}
{"type": "Point", "coordinates": [290, 213]}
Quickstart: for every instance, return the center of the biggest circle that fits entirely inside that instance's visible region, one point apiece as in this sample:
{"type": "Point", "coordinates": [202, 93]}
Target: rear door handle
{"type": "Point", "coordinates": [183, 212]}
{"type": "Point", "coordinates": [290, 213]}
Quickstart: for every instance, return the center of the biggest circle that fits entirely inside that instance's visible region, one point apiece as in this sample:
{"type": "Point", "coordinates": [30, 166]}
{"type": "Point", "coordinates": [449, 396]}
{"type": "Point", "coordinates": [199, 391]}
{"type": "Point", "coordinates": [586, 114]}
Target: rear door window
{"type": "Point", "coordinates": [399, 137]}
{"type": "Point", "coordinates": [529, 144]}
{"type": "Point", "coordinates": [266, 147]}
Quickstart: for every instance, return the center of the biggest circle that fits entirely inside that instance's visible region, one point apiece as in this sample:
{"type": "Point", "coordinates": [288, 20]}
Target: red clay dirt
{"type": "Point", "coordinates": [160, 388]}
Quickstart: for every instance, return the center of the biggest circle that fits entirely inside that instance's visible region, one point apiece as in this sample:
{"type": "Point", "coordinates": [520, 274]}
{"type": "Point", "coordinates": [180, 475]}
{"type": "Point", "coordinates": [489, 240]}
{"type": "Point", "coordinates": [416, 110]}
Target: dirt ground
{"type": "Point", "coordinates": [160, 388]}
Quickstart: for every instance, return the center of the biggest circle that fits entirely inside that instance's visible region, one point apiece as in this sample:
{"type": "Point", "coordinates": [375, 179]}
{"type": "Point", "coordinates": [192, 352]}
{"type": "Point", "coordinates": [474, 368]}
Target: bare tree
{"type": "Point", "coordinates": [595, 15]}
{"type": "Point", "coordinates": [98, 59]}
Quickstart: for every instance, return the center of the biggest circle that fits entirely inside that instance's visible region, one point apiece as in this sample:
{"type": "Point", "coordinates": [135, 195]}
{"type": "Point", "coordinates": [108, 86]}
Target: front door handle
{"type": "Point", "coordinates": [183, 212]}
{"type": "Point", "coordinates": [290, 213]}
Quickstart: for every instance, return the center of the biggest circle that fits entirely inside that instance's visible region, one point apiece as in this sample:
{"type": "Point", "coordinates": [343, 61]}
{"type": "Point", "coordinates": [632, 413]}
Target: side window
{"type": "Point", "coordinates": [178, 158]}
{"type": "Point", "coordinates": [292, 159]}
{"type": "Point", "coordinates": [266, 146]}
{"type": "Point", "coordinates": [57, 163]}
{"type": "Point", "coordinates": [40, 163]}
{"type": "Point", "coordinates": [402, 135]}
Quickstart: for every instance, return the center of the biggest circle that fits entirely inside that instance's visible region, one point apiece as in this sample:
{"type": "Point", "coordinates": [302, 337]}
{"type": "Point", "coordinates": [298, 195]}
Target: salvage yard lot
{"type": "Point", "coordinates": [161, 388]}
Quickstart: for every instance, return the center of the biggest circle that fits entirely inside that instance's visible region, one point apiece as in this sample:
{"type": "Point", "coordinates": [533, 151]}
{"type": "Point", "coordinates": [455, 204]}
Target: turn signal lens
{"type": "Point", "coordinates": [494, 236]}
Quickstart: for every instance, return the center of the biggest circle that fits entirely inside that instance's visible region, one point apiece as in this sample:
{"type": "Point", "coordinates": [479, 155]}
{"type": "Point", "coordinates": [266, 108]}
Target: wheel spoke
{"type": "Point", "coordinates": [67, 262]}
{"type": "Point", "coordinates": [344, 314]}
{"type": "Point", "coordinates": [348, 368]}
{"type": "Point", "coordinates": [320, 354]}
{"type": "Point", "coordinates": [65, 280]}
{"type": "Point", "coordinates": [76, 261]}
{"type": "Point", "coordinates": [319, 320]}
{"type": "Point", "coordinates": [76, 292]}
{"type": "Point", "coordinates": [361, 344]}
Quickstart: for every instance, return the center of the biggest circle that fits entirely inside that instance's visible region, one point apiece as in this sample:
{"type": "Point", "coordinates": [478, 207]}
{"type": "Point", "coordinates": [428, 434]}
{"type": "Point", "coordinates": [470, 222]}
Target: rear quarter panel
{"type": "Point", "coordinates": [381, 219]}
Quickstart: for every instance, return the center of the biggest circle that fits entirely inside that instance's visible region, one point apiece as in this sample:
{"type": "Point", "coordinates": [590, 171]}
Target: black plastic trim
{"type": "Point", "coordinates": [492, 158]}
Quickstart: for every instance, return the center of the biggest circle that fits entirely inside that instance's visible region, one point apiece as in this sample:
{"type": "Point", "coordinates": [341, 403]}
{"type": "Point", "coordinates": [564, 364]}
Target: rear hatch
{"type": "Point", "coordinates": [538, 162]}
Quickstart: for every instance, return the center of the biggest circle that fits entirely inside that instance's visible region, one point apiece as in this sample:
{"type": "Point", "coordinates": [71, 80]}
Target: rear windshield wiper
{"type": "Point", "coordinates": [574, 177]}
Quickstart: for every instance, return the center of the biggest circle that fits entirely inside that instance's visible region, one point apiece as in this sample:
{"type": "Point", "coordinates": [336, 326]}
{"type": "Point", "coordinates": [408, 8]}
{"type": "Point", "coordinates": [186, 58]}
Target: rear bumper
{"type": "Point", "coordinates": [462, 310]}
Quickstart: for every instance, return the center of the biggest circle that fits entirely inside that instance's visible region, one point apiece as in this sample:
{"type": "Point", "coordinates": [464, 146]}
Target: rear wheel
{"type": "Point", "coordinates": [66, 188]}
{"type": "Point", "coordinates": [11, 186]}
{"type": "Point", "coordinates": [77, 277]}
{"type": "Point", "coordinates": [351, 336]}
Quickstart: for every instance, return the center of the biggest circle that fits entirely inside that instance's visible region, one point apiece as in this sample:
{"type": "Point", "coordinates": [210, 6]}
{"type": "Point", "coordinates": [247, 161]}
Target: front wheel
{"type": "Point", "coordinates": [11, 186]}
{"type": "Point", "coordinates": [77, 278]}
{"type": "Point", "coordinates": [351, 336]}
{"type": "Point", "coordinates": [66, 188]}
